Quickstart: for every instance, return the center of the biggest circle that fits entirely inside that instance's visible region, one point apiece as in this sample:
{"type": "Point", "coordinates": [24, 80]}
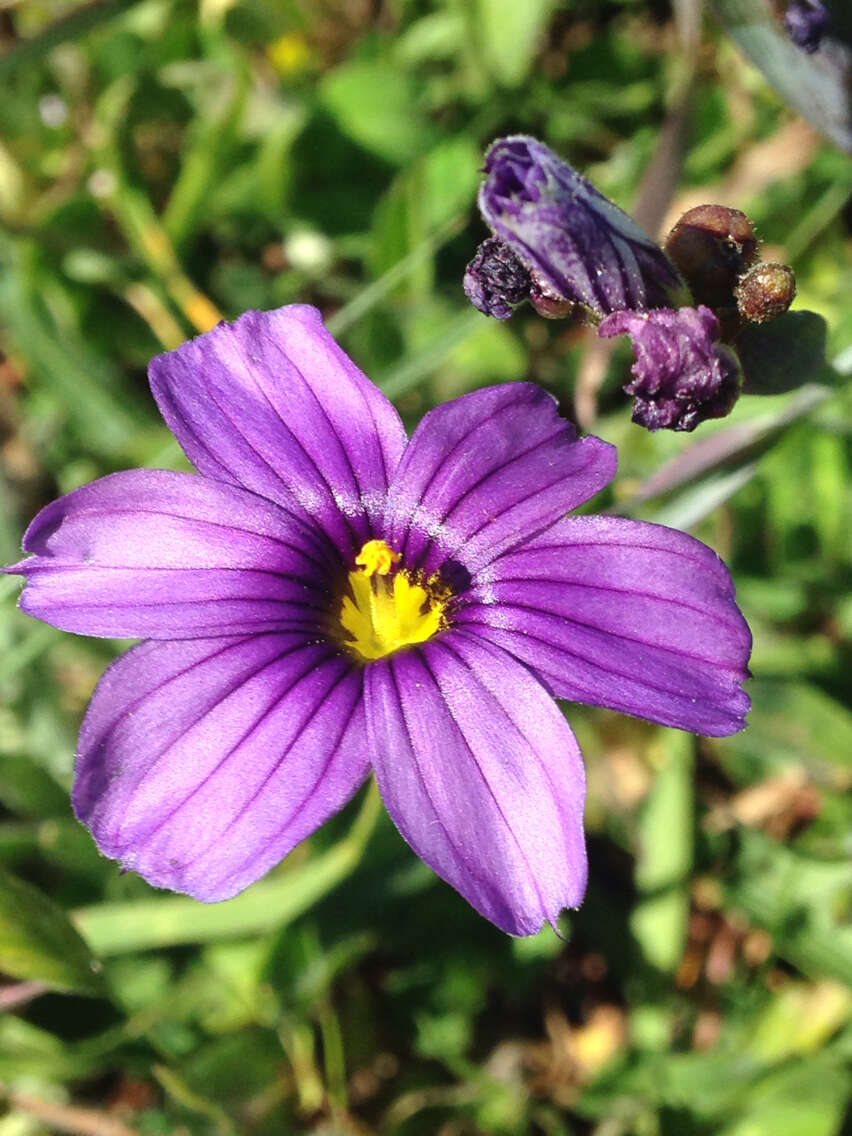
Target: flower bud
{"type": "Point", "coordinates": [713, 246]}
{"type": "Point", "coordinates": [577, 244]}
{"type": "Point", "coordinates": [765, 292]}
{"type": "Point", "coordinates": [495, 280]}
{"type": "Point", "coordinates": [807, 21]}
{"type": "Point", "coordinates": [682, 374]}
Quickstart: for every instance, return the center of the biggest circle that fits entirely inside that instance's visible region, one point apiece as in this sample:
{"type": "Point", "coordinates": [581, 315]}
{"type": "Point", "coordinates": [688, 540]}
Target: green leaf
{"type": "Point", "coordinates": [203, 161]}
{"type": "Point", "coordinates": [801, 901]}
{"type": "Point", "coordinates": [27, 788]}
{"type": "Point", "coordinates": [376, 106]}
{"type": "Point", "coordinates": [27, 1051]}
{"type": "Point", "coordinates": [419, 364]}
{"type": "Point", "coordinates": [70, 27]}
{"type": "Point", "coordinates": [509, 34]}
{"type": "Point", "coordinates": [727, 450]}
{"type": "Point", "coordinates": [802, 1099]}
{"type": "Point", "coordinates": [37, 941]}
{"type": "Point", "coordinates": [799, 1020]}
{"type": "Point", "coordinates": [783, 354]}
{"type": "Point", "coordinates": [659, 924]}
{"type": "Point", "coordinates": [666, 822]}
{"type": "Point", "coordinates": [84, 382]}
{"type": "Point", "coordinates": [817, 86]}
{"type": "Point", "coordinates": [428, 195]}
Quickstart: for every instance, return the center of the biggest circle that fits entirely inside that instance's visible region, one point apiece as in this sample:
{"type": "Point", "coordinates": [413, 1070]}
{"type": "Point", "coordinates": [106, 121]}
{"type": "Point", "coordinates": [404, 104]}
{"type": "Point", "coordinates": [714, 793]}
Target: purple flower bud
{"type": "Point", "coordinates": [571, 237]}
{"type": "Point", "coordinates": [682, 374]}
{"type": "Point", "coordinates": [495, 280]}
{"type": "Point", "coordinates": [806, 22]}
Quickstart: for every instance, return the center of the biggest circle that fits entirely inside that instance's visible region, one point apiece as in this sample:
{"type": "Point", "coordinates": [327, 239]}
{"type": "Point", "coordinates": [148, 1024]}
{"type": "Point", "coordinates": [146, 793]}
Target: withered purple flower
{"type": "Point", "coordinates": [574, 241]}
{"type": "Point", "coordinates": [682, 374]}
{"type": "Point", "coordinates": [563, 246]}
{"type": "Point", "coordinates": [807, 22]}
{"type": "Point", "coordinates": [495, 281]}
{"type": "Point", "coordinates": [328, 597]}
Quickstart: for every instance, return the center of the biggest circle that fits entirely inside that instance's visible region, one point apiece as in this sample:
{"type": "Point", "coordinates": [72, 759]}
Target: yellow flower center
{"type": "Point", "coordinates": [389, 607]}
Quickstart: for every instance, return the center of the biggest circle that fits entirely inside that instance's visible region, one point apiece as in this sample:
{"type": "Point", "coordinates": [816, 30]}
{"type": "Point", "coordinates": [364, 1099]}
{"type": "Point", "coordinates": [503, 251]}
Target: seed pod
{"type": "Point", "coordinates": [765, 292]}
{"type": "Point", "coordinates": [550, 304]}
{"type": "Point", "coordinates": [712, 247]}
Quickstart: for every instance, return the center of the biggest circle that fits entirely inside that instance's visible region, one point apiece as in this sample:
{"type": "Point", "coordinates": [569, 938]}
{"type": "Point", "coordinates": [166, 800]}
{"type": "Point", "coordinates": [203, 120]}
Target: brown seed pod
{"type": "Point", "coordinates": [550, 304]}
{"type": "Point", "coordinates": [713, 246]}
{"type": "Point", "coordinates": [765, 292]}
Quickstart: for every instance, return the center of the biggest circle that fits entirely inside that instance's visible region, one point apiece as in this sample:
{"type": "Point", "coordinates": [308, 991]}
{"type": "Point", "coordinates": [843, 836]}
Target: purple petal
{"type": "Point", "coordinates": [623, 614]}
{"type": "Point", "coordinates": [273, 404]}
{"type": "Point", "coordinates": [483, 777]}
{"type": "Point", "coordinates": [487, 471]}
{"type": "Point", "coordinates": [683, 375]}
{"type": "Point", "coordinates": [203, 763]}
{"type": "Point", "coordinates": [155, 554]}
{"type": "Point", "coordinates": [568, 234]}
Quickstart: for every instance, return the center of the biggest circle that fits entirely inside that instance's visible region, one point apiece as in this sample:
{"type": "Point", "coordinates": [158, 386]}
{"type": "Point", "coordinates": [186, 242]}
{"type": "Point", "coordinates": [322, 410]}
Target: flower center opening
{"type": "Point", "coordinates": [389, 607]}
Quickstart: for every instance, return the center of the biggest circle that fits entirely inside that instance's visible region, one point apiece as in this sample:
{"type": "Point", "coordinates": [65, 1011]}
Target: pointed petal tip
{"type": "Point", "coordinates": [624, 614]}
{"type": "Point", "coordinates": [733, 718]}
{"type": "Point", "coordinates": [507, 142]}
{"type": "Point", "coordinates": [19, 568]}
{"type": "Point", "coordinates": [554, 926]}
{"type": "Point", "coordinates": [486, 781]}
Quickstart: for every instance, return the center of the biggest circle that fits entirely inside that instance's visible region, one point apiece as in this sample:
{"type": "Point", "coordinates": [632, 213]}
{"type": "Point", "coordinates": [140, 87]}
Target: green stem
{"type": "Point", "coordinates": [72, 26]}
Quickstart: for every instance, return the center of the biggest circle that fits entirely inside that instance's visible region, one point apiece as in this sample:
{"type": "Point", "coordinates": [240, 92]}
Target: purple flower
{"type": "Point", "coordinates": [807, 22]}
{"type": "Point", "coordinates": [328, 597]}
{"type": "Point", "coordinates": [573, 240]}
{"type": "Point", "coordinates": [682, 374]}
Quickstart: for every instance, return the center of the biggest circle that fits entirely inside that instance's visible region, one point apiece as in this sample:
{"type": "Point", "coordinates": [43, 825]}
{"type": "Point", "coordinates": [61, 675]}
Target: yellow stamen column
{"type": "Point", "coordinates": [389, 607]}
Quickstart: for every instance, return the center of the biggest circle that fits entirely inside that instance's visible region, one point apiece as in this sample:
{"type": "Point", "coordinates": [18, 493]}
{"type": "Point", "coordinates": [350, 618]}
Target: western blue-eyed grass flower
{"type": "Point", "coordinates": [325, 598]}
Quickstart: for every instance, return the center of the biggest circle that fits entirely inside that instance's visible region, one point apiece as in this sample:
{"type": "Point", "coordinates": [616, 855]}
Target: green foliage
{"type": "Point", "coordinates": [165, 164]}
{"type": "Point", "coordinates": [37, 941]}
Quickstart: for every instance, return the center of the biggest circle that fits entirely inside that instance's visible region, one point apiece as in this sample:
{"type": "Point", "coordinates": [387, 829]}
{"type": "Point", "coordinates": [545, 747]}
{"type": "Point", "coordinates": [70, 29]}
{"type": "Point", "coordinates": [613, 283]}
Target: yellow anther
{"type": "Point", "coordinates": [377, 558]}
{"type": "Point", "coordinates": [382, 612]}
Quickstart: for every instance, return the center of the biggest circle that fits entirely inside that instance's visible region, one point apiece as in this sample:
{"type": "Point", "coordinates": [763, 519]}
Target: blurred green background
{"type": "Point", "coordinates": [164, 164]}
